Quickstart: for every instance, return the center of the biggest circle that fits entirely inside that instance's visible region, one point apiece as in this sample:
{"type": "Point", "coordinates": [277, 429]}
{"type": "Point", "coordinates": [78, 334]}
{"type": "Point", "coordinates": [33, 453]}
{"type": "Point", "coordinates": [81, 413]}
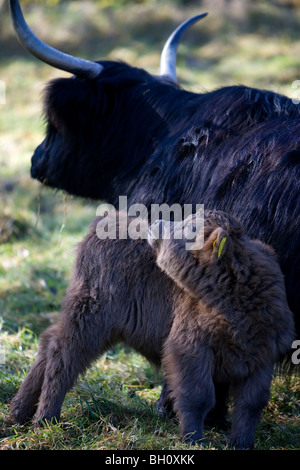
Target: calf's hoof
{"type": "Point", "coordinates": [164, 411]}
{"type": "Point", "coordinates": [241, 445]}
{"type": "Point", "coordinates": [20, 414]}
{"type": "Point", "coordinates": [192, 438]}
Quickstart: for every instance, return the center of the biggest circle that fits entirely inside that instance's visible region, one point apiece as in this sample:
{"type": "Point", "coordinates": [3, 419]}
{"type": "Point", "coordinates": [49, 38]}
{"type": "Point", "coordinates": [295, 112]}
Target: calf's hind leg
{"type": "Point", "coordinates": [24, 404]}
{"type": "Point", "coordinates": [77, 342]}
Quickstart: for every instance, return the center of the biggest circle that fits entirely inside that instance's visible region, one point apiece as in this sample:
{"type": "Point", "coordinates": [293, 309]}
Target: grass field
{"type": "Point", "coordinates": [113, 406]}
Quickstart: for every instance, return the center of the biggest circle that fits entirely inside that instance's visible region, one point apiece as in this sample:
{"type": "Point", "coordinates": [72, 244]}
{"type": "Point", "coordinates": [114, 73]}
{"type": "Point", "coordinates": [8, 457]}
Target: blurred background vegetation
{"type": "Point", "coordinates": [251, 42]}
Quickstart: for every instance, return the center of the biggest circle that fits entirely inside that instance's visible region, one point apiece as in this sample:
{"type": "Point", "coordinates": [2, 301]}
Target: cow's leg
{"type": "Point", "coordinates": [164, 404]}
{"type": "Point", "coordinates": [250, 397]}
{"type": "Point", "coordinates": [217, 417]}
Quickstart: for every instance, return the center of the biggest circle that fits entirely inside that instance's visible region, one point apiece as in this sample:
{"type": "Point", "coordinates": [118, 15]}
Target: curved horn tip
{"type": "Point", "coordinates": [169, 52]}
{"type": "Point", "coordinates": [80, 67]}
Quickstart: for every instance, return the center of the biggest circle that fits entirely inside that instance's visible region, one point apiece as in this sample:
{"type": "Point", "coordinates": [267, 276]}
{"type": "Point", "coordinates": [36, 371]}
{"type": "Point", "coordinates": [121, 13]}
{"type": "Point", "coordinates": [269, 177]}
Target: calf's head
{"type": "Point", "coordinates": [220, 248]}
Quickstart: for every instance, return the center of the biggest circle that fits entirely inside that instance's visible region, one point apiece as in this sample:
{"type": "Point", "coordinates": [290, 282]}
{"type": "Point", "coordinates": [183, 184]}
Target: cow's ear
{"type": "Point", "coordinates": [66, 103]}
{"type": "Point", "coordinates": [216, 244]}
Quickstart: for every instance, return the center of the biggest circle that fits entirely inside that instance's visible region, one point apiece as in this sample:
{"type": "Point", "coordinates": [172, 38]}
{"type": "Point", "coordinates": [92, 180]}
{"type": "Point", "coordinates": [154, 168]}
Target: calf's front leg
{"type": "Point", "coordinates": [189, 377]}
{"type": "Point", "coordinates": [250, 397]}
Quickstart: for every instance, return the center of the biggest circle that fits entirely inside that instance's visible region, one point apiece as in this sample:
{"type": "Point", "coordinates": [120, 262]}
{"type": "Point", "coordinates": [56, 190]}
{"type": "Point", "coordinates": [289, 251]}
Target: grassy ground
{"type": "Point", "coordinates": [113, 405]}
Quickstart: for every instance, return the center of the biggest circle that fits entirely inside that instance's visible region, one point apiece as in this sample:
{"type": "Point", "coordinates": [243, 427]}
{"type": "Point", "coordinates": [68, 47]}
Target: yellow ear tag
{"type": "Point", "coordinates": [214, 243]}
{"type": "Point", "coordinates": [221, 246]}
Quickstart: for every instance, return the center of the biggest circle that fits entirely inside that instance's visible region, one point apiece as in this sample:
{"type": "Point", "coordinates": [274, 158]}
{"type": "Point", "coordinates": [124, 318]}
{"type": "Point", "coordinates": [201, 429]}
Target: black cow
{"type": "Point", "coordinates": [116, 130]}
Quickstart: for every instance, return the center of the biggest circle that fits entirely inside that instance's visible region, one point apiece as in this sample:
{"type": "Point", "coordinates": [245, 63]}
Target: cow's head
{"type": "Point", "coordinates": [103, 121]}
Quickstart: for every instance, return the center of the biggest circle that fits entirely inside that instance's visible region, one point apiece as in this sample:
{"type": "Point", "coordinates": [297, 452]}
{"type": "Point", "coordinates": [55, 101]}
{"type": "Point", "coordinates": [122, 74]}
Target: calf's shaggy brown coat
{"type": "Point", "coordinates": [212, 321]}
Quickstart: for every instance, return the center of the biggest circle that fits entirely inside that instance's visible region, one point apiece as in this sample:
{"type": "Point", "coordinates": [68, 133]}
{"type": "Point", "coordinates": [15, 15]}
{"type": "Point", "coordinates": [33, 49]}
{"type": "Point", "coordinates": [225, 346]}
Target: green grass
{"type": "Point", "coordinates": [113, 405]}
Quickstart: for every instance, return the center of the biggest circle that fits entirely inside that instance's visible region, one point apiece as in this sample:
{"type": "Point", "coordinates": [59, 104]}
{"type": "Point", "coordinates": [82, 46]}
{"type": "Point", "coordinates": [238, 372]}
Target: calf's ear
{"type": "Point", "coordinates": [217, 243]}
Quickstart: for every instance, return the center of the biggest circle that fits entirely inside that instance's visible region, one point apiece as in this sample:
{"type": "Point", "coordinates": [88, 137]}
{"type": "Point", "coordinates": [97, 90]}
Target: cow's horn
{"type": "Point", "coordinates": [168, 55]}
{"type": "Point", "coordinates": [60, 60]}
